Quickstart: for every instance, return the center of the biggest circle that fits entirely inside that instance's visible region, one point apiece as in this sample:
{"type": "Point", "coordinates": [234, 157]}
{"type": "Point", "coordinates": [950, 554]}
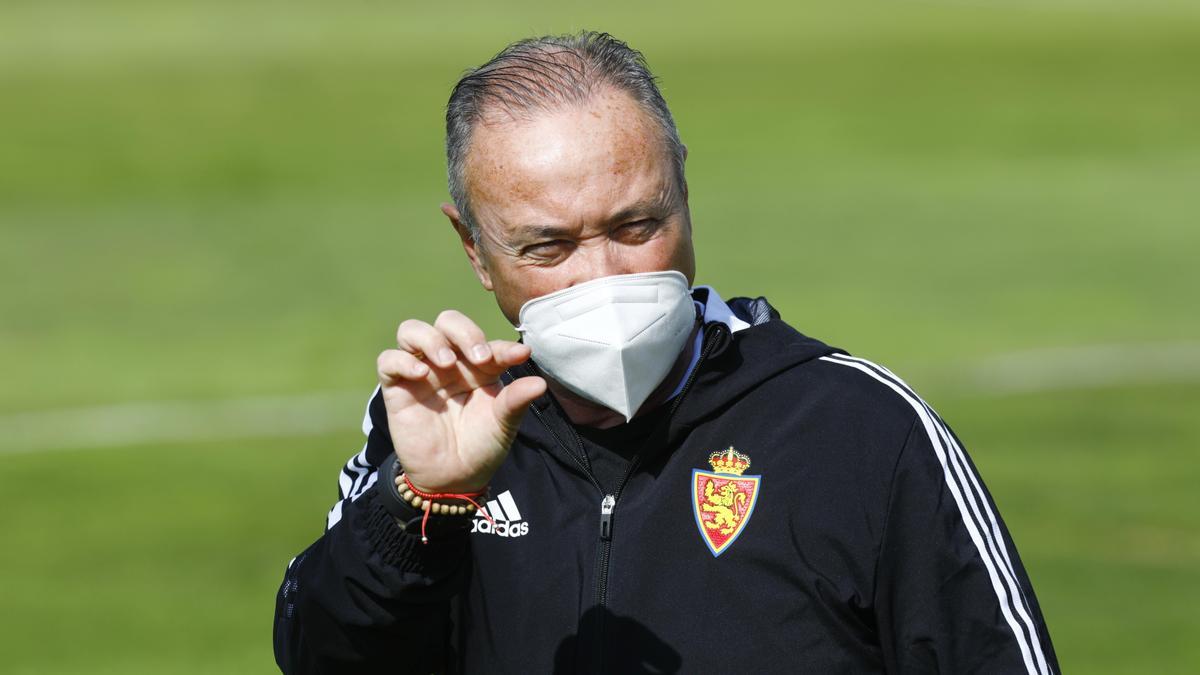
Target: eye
{"type": "Point", "coordinates": [638, 230]}
{"type": "Point", "coordinates": [546, 249]}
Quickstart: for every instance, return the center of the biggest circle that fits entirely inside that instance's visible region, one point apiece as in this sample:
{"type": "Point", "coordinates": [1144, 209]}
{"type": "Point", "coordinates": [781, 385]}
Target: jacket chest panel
{"type": "Point", "coordinates": [795, 580]}
{"type": "Point", "coordinates": [758, 525]}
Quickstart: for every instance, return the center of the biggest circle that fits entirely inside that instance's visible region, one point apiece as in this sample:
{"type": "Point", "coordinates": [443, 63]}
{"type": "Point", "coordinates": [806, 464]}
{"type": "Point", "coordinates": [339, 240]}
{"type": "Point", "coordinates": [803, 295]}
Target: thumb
{"type": "Point", "coordinates": [510, 404]}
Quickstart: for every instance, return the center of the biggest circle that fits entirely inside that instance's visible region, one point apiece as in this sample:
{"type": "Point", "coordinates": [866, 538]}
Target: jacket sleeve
{"type": "Point", "coordinates": [951, 593]}
{"type": "Point", "coordinates": [368, 596]}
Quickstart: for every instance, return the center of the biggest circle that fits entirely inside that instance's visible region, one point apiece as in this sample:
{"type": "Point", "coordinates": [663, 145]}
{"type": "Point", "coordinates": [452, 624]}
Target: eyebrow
{"type": "Point", "coordinates": [657, 203]}
{"type": "Point", "coordinates": [545, 232]}
{"type": "Point", "coordinates": [557, 231]}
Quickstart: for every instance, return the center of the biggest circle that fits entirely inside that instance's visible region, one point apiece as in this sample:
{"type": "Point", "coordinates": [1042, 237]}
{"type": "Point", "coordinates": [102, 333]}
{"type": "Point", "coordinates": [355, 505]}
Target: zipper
{"type": "Point", "coordinates": [606, 509]}
{"type": "Point", "coordinates": [583, 466]}
{"type": "Point", "coordinates": [609, 503]}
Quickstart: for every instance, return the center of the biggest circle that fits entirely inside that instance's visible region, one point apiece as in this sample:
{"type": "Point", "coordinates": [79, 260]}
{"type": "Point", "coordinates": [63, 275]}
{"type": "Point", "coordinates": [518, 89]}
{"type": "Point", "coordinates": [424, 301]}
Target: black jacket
{"type": "Point", "coordinates": [867, 542]}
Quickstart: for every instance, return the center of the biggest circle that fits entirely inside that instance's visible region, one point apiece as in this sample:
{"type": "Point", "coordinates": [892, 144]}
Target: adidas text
{"type": "Point", "coordinates": [502, 528]}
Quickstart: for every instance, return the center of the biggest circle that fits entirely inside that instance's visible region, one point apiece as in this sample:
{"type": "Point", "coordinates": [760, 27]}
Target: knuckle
{"type": "Point", "coordinates": [414, 333]}
{"type": "Point", "coordinates": [449, 316]}
{"type": "Point", "coordinates": [388, 359]}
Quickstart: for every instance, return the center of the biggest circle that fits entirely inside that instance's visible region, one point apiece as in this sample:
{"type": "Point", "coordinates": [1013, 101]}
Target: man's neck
{"type": "Point", "coordinates": [583, 412]}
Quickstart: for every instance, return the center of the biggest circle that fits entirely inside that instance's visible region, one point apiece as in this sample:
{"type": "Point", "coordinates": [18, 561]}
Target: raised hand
{"type": "Point", "coordinates": [451, 419]}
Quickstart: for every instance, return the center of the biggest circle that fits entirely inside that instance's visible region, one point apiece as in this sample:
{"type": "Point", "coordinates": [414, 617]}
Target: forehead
{"type": "Point", "coordinates": [566, 167]}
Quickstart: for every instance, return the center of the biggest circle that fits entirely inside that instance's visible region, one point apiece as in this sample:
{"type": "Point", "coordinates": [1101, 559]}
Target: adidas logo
{"type": "Point", "coordinates": [504, 511]}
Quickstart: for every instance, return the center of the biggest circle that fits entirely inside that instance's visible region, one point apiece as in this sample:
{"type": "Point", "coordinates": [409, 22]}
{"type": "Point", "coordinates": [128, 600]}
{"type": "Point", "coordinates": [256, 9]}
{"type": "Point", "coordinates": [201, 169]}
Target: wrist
{"type": "Point", "coordinates": [418, 511]}
{"type": "Point", "coordinates": [464, 487]}
{"type": "Point", "coordinates": [442, 503]}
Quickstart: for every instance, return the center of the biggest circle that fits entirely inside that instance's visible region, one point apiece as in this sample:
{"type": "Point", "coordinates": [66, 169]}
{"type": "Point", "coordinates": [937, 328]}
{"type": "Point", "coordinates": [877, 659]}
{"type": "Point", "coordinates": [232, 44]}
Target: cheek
{"type": "Point", "coordinates": [515, 287]}
{"type": "Point", "coordinates": [672, 250]}
{"type": "Point", "coordinates": [521, 284]}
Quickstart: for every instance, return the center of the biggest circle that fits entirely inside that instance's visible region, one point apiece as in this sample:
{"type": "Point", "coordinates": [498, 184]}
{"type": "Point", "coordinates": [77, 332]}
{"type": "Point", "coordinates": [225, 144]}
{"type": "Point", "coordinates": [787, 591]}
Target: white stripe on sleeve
{"type": "Point", "coordinates": [963, 468]}
{"type": "Point", "coordinates": [954, 465]}
{"type": "Point", "coordinates": [335, 515]}
{"type": "Point", "coordinates": [358, 475]}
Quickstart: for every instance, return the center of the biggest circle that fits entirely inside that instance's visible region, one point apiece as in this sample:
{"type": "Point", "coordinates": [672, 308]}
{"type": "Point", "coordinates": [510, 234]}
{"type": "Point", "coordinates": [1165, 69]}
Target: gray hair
{"type": "Point", "coordinates": [544, 74]}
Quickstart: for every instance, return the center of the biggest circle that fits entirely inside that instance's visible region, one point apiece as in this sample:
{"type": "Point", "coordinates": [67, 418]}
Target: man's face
{"type": "Point", "coordinates": [570, 196]}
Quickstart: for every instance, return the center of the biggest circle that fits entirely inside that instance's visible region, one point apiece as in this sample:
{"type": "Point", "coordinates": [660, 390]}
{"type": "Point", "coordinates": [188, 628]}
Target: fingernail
{"type": "Point", "coordinates": [420, 369]}
{"type": "Point", "coordinates": [481, 352]}
{"type": "Point", "coordinates": [445, 357]}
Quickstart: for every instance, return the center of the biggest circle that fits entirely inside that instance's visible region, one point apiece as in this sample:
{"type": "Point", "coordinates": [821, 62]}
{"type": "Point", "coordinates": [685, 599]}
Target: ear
{"type": "Point", "coordinates": [474, 254]}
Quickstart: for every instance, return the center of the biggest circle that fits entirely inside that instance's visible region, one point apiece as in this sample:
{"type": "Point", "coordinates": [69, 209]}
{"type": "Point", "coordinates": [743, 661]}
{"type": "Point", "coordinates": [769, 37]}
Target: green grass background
{"type": "Point", "coordinates": [209, 200]}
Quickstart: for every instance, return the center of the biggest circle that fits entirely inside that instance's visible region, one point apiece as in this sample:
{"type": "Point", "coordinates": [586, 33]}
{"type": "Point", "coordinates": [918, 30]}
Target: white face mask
{"type": "Point", "coordinates": [611, 340]}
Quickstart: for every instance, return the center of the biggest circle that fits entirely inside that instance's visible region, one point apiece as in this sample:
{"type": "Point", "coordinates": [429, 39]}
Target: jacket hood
{"type": "Point", "coordinates": [738, 361]}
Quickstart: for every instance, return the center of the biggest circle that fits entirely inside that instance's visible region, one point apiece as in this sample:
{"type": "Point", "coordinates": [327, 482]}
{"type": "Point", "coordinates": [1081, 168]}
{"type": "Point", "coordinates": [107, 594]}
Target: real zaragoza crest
{"type": "Point", "coordinates": [723, 498]}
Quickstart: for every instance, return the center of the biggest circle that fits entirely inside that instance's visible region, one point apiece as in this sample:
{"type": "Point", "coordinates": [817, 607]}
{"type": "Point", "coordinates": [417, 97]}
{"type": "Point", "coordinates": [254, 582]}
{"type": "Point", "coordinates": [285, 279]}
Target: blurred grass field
{"type": "Point", "coordinates": [202, 201]}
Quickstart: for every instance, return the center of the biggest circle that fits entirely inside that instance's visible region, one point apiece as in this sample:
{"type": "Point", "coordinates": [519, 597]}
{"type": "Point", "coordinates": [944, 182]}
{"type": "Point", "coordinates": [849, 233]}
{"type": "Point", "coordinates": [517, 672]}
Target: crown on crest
{"type": "Point", "coordinates": [729, 461]}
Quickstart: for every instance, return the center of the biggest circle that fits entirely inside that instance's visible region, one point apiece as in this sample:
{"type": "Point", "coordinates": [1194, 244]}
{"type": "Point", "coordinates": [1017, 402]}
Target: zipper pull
{"type": "Point", "coordinates": [606, 509]}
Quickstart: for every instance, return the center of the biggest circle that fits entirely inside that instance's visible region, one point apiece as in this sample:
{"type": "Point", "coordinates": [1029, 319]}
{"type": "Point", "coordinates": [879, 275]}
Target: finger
{"type": "Point", "coordinates": [505, 354]}
{"type": "Point", "coordinates": [514, 399]}
{"type": "Point", "coordinates": [464, 335]}
{"type": "Point", "coordinates": [394, 364]}
{"type": "Point", "coordinates": [420, 338]}
{"type": "Point", "coordinates": [508, 353]}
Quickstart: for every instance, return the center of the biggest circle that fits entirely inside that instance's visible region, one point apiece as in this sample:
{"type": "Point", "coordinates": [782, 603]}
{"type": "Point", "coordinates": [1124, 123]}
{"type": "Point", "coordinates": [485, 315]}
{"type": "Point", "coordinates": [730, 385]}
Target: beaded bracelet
{"type": "Point", "coordinates": [429, 502]}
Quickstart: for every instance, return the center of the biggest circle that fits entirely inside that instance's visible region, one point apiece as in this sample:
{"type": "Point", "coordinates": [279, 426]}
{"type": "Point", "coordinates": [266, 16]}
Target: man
{"type": "Point", "coordinates": [677, 483]}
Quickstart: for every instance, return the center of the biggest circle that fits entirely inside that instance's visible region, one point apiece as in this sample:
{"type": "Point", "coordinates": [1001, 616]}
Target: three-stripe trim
{"type": "Point", "coordinates": [976, 513]}
{"type": "Point", "coordinates": [358, 475]}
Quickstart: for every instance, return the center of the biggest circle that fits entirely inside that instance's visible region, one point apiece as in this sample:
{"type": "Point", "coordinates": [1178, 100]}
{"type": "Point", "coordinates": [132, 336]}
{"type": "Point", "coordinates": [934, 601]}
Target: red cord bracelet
{"type": "Point", "coordinates": [429, 498]}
